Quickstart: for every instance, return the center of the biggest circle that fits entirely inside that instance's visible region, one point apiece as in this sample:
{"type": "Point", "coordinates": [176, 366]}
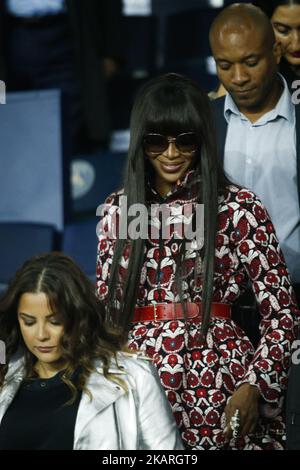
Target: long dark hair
{"type": "Point", "coordinates": [169, 104]}
{"type": "Point", "coordinates": [72, 296]}
{"type": "Point", "coordinates": [269, 6]}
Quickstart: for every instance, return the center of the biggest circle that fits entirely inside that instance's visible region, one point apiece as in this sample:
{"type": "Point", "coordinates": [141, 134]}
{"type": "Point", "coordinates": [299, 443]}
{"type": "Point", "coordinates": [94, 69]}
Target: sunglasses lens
{"type": "Point", "coordinates": [187, 143]}
{"type": "Point", "coordinates": [155, 143]}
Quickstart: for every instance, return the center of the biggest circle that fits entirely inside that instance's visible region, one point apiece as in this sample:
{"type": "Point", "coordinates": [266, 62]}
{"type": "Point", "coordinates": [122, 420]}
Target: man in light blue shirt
{"type": "Point", "coordinates": [262, 156]}
{"type": "Point", "coordinates": [258, 121]}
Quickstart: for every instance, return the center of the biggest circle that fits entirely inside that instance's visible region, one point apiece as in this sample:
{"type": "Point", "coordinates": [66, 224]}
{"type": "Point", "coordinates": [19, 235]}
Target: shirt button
{"type": "Point", "coordinates": [43, 384]}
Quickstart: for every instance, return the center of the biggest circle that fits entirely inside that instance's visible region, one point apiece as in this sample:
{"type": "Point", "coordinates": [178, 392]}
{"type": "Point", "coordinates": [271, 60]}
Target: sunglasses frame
{"type": "Point", "coordinates": [168, 141]}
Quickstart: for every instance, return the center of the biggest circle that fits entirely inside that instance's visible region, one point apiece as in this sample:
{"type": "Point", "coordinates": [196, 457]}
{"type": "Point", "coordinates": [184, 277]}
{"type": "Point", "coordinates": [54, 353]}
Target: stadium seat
{"type": "Point", "coordinates": [34, 177]}
{"type": "Point", "coordinates": [80, 242]}
{"type": "Point", "coordinates": [21, 241]}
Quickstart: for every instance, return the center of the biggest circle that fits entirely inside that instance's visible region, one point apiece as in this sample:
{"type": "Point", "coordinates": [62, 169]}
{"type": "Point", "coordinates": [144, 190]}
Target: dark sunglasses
{"type": "Point", "coordinates": [158, 143]}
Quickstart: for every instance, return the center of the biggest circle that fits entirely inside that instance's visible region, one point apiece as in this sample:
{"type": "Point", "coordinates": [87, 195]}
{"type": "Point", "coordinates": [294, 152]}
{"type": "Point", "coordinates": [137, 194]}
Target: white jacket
{"type": "Point", "coordinates": [115, 420]}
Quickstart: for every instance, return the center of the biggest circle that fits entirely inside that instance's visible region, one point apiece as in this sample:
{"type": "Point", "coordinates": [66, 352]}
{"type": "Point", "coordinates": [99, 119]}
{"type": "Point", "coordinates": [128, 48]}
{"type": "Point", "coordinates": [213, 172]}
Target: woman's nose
{"type": "Point", "coordinates": [172, 151]}
{"type": "Point", "coordinates": [42, 332]}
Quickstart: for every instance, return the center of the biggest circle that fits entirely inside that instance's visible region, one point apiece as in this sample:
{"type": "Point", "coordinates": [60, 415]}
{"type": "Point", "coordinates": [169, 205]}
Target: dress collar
{"type": "Point", "coordinates": [188, 181]}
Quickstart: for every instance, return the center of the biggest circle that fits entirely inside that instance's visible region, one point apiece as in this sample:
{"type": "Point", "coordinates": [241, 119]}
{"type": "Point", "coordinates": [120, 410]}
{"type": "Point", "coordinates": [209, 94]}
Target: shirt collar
{"type": "Point", "coordinates": [186, 182]}
{"type": "Point", "coordinates": [284, 107]}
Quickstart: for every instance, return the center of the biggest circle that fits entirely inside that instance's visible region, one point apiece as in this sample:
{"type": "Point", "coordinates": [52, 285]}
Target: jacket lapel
{"type": "Point", "coordinates": [13, 380]}
{"type": "Point", "coordinates": [104, 393]}
{"type": "Point", "coordinates": [220, 125]}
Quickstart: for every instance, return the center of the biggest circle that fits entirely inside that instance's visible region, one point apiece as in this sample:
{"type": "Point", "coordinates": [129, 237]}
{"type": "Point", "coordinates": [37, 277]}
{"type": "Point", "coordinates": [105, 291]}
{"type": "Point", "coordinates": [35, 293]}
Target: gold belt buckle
{"type": "Point", "coordinates": [155, 313]}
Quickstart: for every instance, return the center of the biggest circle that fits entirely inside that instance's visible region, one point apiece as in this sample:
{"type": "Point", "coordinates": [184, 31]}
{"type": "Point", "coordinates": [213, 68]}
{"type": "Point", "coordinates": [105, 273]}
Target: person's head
{"type": "Point", "coordinates": [243, 45]}
{"type": "Point", "coordinates": [285, 19]}
{"type": "Point", "coordinates": [171, 130]}
{"type": "Point", "coordinates": [176, 108]}
{"type": "Point", "coordinates": [41, 329]}
{"type": "Point", "coordinates": [51, 313]}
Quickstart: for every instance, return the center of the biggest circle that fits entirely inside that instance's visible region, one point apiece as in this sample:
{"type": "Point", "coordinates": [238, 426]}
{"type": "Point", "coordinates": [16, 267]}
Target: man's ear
{"type": "Point", "coordinates": [277, 51]}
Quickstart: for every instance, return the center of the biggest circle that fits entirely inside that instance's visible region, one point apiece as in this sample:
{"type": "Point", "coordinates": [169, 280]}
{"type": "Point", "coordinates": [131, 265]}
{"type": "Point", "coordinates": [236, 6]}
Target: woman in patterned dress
{"type": "Point", "coordinates": [175, 295]}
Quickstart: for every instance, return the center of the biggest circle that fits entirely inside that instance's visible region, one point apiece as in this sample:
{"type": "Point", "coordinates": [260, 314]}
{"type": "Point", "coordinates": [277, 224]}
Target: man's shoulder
{"type": "Point", "coordinates": [218, 103]}
{"type": "Point", "coordinates": [218, 110]}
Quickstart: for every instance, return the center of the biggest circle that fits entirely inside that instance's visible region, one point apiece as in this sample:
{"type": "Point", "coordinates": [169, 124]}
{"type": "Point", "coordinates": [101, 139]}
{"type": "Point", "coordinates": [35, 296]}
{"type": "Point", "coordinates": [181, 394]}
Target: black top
{"type": "Point", "coordinates": [286, 70]}
{"type": "Point", "coordinates": [38, 417]}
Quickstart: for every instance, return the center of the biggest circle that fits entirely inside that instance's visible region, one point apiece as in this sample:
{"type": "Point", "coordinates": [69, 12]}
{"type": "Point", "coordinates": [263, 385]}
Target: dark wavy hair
{"type": "Point", "coordinates": [169, 104]}
{"type": "Point", "coordinates": [71, 295]}
{"type": "Point", "coordinates": [269, 6]}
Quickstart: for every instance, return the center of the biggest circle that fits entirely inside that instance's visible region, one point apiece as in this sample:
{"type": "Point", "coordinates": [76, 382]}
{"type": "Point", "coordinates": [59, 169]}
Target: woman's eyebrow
{"type": "Point", "coordinates": [23, 314]}
{"type": "Point", "coordinates": [32, 316]}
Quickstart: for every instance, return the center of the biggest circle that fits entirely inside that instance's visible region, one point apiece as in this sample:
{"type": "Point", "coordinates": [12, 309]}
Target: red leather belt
{"type": "Point", "coordinates": [174, 311]}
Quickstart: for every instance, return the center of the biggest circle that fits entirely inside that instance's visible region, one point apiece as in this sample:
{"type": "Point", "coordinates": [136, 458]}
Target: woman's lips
{"type": "Point", "coordinates": [45, 350]}
{"type": "Point", "coordinates": [296, 54]}
{"type": "Point", "coordinates": [171, 167]}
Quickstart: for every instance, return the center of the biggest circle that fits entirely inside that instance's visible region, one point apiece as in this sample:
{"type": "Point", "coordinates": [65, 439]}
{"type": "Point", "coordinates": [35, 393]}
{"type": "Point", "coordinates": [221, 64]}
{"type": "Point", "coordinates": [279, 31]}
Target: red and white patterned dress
{"type": "Point", "coordinates": [199, 378]}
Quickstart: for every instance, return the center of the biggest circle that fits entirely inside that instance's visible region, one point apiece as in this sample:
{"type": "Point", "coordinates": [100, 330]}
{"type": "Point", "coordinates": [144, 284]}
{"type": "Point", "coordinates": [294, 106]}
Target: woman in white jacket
{"type": "Point", "coordinates": [67, 383]}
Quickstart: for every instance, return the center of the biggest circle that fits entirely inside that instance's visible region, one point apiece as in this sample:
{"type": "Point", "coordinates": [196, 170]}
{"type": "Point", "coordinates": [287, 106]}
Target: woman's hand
{"type": "Point", "coordinates": [245, 399]}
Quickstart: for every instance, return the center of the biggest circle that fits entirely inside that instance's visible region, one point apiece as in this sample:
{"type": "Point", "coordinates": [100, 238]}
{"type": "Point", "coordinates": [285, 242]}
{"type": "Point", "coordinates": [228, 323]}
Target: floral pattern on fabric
{"type": "Point", "coordinates": [200, 377]}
